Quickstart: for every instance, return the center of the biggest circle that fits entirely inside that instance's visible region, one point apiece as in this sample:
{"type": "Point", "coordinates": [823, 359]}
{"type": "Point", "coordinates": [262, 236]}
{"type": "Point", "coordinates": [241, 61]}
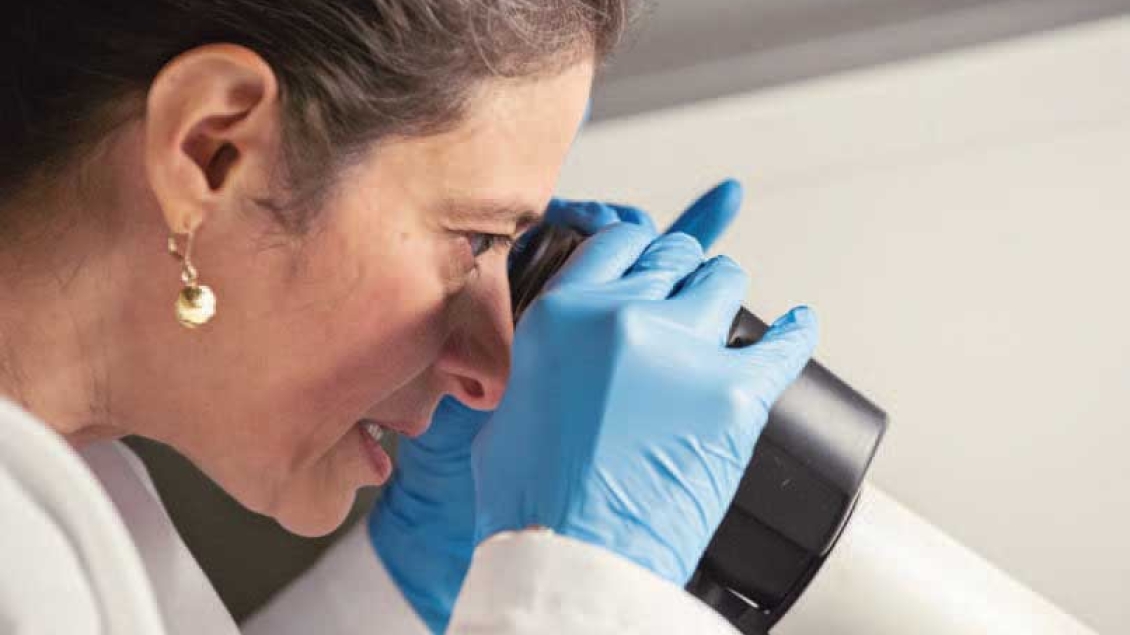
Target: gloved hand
{"type": "Point", "coordinates": [423, 525]}
{"type": "Point", "coordinates": [627, 422]}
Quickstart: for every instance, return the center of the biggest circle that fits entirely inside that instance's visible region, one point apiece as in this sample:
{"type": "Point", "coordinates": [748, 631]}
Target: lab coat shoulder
{"type": "Point", "coordinates": [41, 569]}
{"type": "Point", "coordinates": [69, 565]}
{"type": "Point", "coordinates": [184, 596]}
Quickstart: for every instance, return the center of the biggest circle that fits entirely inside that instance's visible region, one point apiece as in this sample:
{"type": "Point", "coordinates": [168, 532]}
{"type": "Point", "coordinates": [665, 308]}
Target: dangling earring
{"type": "Point", "coordinates": [196, 304]}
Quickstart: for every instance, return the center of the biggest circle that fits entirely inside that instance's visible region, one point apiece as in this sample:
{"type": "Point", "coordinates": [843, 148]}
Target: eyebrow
{"type": "Point", "coordinates": [496, 211]}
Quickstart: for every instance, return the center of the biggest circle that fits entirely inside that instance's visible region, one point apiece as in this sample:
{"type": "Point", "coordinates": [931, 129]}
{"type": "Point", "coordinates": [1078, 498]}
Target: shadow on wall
{"type": "Point", "coordinates": [248, 557]}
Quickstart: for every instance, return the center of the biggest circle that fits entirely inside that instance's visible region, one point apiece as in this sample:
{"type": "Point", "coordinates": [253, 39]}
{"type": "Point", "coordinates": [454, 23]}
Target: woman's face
{"type": "Point", "coordinates": [397, 296]}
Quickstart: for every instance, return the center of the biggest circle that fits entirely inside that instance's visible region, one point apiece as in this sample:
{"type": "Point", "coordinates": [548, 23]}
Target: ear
{"type": "Point", "coordinates": [210, 133]}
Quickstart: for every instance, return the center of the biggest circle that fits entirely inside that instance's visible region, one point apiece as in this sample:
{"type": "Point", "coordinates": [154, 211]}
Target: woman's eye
{"type": "Point", "coordinates": [482, 243]}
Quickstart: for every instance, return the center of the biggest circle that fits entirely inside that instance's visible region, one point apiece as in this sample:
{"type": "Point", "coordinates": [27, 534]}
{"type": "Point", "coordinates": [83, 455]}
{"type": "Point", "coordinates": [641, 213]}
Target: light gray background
{"type": "Point", "coordinates": [959, 221]}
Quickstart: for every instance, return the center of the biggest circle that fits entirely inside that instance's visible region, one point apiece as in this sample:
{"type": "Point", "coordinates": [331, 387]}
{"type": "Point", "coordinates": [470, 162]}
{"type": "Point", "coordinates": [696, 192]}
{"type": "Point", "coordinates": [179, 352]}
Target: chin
{"type": "Point", "coordinates": [315, 519]}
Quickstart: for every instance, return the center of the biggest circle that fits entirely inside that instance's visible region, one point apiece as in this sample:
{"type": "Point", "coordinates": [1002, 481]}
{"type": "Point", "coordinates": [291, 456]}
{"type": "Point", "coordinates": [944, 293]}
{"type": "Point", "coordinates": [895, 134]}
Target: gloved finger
{"type": "Point", "coordinates": [604, 257]}
{"type": "Point", "coordinates": [453, 425]}
{"type": "Point", "coordinates": [709, 298]}
{"type": "Point", "coordinates": [629, 214]}
{"type": "Point", "coordinates": [443, 449]}
{"type": "Point", "coordinates": [665, 262]}
{"type": "Point", "coordinates": [587, 217]}
{"type": "Point", "coordinates": [708, 217]}
{"type": "Point", "coordinates": [780, 355]}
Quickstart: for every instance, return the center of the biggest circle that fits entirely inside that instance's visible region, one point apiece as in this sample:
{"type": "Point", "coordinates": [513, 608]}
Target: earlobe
{"type": "Point", "coordinates": [210, 130]}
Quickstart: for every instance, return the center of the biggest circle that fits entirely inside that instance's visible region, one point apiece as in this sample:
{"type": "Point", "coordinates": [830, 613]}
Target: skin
{"type": "Point", "coordinates": [377, 312]}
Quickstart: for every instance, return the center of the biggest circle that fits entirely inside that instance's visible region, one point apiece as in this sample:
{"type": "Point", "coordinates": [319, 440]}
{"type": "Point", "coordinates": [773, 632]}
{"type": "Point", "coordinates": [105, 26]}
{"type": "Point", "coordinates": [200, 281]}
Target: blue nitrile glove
{"type": "Point", "coordinates": [423, 525]}
{"type": "Point", "coordinates": [627, 422]}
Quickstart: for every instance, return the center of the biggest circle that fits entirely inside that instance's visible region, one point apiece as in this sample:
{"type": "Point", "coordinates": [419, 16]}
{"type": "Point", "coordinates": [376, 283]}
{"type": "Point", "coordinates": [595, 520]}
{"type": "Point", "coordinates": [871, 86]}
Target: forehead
{"type": "Point", "coordinates": [510, 146]}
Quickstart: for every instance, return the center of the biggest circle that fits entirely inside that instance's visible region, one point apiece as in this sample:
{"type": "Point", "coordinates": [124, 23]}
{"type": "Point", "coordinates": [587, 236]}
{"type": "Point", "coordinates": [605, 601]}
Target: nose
{"type": "Point", "coordinates": [474, 363]}
{"type": "Point", "coordinates": [473, 375]}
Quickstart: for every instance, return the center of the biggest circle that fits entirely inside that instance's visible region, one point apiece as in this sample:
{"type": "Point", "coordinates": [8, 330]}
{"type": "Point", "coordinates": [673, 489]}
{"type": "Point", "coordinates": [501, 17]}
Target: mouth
{"type": "Point", "coordinates": [371, 432]}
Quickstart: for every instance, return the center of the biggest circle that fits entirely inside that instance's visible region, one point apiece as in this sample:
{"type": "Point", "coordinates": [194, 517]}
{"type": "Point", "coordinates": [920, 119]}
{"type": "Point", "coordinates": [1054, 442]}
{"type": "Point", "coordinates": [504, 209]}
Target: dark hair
{"type": "Point", "coordinates": [349, 71]}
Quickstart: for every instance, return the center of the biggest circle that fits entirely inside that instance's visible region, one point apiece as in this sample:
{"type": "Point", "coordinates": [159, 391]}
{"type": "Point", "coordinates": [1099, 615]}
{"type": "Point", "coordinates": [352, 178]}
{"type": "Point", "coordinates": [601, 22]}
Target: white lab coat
{"type": "Point", "coordinates": [86, 547]}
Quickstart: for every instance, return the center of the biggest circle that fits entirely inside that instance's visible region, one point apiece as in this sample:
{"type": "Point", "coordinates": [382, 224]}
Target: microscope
{"type": "Point", "coordinates": [807, 547]}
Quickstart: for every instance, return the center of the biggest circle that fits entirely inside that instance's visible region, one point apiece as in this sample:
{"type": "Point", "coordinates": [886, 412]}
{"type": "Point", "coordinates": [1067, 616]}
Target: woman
{"type": "Point", "coordinates": [269, 234]}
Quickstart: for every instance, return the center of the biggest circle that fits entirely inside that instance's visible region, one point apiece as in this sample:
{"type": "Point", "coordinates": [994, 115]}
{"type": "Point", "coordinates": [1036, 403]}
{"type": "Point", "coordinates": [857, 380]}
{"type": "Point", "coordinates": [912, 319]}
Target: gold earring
{"type": "Point", "coordinates": [196, 304]}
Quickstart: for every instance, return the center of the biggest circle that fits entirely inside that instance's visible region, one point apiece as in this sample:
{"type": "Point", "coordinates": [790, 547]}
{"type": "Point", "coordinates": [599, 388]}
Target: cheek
{"type": "Point", "coordinates": [381, 334]}
{"type": "Point", "coordinates": [395, 321]}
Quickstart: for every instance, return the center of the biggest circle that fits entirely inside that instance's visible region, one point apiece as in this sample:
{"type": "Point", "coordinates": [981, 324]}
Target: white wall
{"type": "Point", "coordinates": [960, 224]}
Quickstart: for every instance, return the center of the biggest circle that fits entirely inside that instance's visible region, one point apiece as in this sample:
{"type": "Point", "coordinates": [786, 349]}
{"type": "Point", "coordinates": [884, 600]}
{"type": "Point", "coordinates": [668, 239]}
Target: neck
{"type": "Point", "coordinates": [54, 355]}
{"type": "Point", "coordinates": [75, 299]}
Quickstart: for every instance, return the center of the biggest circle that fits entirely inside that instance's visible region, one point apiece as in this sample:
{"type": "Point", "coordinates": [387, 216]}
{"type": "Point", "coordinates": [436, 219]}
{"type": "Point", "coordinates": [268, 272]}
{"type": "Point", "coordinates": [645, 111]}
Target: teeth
{"type": "Point", "coordinates": [374, 430]}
